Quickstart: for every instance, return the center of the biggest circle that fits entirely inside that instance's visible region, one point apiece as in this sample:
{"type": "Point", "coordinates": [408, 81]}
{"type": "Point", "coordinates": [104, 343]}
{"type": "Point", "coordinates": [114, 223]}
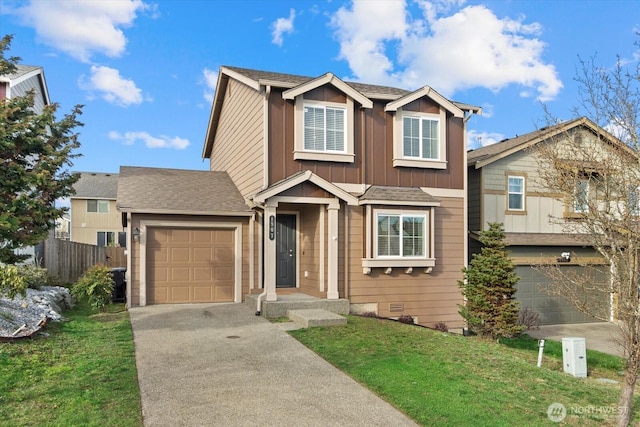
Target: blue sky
{"type": "Point", "coordinates": [146, 70]}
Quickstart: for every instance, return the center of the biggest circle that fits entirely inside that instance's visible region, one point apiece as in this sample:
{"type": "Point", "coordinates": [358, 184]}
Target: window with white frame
{"type": "Point", "coordinates": [106, 238]}
{"type": "Point", "coordinates": [581, 196]}
{"type": "Point", "coordinates": [99, 206]}
{"type": "Point", "coordinates": [421, 137]}
{"type": "Point", "coordinates": [634, 200]}
{"type": "Point", "coordinates": [324, 128]}
{"type": "Point", "coordinates": [401, 235]}
{"type": "Point", "coordinates": [516, 193]}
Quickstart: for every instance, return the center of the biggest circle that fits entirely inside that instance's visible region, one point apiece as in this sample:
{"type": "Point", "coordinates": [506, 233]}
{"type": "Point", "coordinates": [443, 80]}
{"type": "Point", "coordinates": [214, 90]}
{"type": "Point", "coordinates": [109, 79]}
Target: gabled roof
{"type": "Point", "coordinates": [404, 196]}
{"type": "Point", "coordinates": [297, 179]}
{"type": "Point", "coordinates": [486, 155]}
{"type": "Point", "coordinates": [178, 191]}
{"type": "Point", "coordinates": [429, 93]}
{"type": "Point", "coordinates": [328, 78]}
{"type": "Point", "coordinates": [24, 72]}
{"type": "Point", "coordinates": [295, 84]}
{"type": "Point", "coordinates": [96, 185]}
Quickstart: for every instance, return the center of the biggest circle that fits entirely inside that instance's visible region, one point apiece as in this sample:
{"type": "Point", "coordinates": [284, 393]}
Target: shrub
{"type": "Point", "coordinates": [406, 318]}
{"type": "Point", "coordinates": [529, 319]}
{"type": "Point", "coordinates": [441, 326]}
{"type": "Point", "coordinates": [11, 282]}
{"type": "Point", "coordinates": [35, 277]}
{"type": "Point", "coordinates": [369, 314]}
{"type": "Point", "coordinates": [95, 286]}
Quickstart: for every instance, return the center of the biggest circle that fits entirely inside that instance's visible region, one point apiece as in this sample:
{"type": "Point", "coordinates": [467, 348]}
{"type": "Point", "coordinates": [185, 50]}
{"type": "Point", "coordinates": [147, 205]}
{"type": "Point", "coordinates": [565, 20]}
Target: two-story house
{"type": "Point", "coordinates": [505, 187]}
{"type": "Point", "coordinates": [317, 186]}
{"type": "Point", "coordinates": [95, 220]}
{"type": "Point", "coordinates": [24, 79]}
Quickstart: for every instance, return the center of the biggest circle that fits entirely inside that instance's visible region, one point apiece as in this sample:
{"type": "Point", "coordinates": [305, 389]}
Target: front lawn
{"type": "Point", "coordinates": [440, 379]}
{"type": "Point", "coordinates": [82, 374]}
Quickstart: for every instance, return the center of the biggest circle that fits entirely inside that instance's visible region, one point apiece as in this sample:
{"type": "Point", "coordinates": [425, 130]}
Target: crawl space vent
{"type": "Point", "coordinates": [396, 306]}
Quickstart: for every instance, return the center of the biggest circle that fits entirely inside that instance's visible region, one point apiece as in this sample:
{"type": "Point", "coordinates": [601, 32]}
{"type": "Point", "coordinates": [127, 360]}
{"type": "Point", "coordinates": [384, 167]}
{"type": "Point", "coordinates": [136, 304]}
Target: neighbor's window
{"type": "Point", "coordinates": [420, 137]}
{"type": "Point", "coordinates": [581, 196]}
{"type": "Point", "coordinates": [324, 128]}
{"type": "Point", "coordinates": [401, 235]}
{"type": "Point", "coordinates": [100, 206]}
{"type": "Point", "coordinates": [516, 193]}
{"type": "Point", "coordinates": [634, 200]}
{"type": "Point", "coordinates": [106, 238]}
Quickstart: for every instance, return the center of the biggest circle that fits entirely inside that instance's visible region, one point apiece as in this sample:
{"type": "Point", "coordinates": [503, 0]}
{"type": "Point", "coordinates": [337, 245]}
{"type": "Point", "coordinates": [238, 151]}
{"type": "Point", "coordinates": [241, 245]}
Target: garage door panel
{"type": "Point", "coordinates": [533, 292]}
{"type": "Point", "coordinates": [190, 265]}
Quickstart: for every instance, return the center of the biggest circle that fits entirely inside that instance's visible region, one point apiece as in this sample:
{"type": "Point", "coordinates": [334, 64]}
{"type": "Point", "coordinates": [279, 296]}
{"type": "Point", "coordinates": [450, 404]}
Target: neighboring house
{"type": "Point", "coordinates": [24, 79]}
{"type": "Point", "coordinates": [63, 227]}
{"type": "Point", "coordinates": [94, 217]}
{"type": "Point", "coordinates": [503, 187]}
{"type": "Point", "coordinates": [317, 186]}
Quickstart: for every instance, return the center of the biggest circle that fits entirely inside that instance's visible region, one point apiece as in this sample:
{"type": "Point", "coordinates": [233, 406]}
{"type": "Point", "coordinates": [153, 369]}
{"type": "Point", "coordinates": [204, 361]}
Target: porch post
{"type": "Point", "coordinates": [270, 251]}
{"type": "Point", "coordinates": [332, 237]}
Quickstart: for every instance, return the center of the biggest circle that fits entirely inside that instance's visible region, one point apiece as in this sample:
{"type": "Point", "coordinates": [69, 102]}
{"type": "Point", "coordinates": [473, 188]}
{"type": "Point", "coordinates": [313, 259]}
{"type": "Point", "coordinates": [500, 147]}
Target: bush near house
{"type": "Point", "coordinates": [95, 286]}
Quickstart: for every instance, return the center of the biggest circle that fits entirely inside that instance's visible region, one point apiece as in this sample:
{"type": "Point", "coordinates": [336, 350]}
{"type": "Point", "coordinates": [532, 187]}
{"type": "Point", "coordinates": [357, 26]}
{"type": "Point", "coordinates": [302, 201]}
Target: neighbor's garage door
{"type": "Point", "coordinates": [190, 265]}
{"type": "Point", "coordinates": [552, 309]}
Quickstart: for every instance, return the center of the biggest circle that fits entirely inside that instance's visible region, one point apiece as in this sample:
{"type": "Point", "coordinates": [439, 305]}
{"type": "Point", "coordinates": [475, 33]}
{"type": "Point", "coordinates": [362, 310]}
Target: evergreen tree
{"type": "Point", "coordinates": [35, 150]}
{"type": "Point", "coordinates": [489, 288]}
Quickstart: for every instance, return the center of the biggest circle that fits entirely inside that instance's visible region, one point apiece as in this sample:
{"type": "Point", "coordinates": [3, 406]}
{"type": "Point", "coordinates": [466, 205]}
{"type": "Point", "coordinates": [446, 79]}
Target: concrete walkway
{"type": "Point", "coordinates": [220, 365]}
{"type": "Point", "coordinates": [601, 336]}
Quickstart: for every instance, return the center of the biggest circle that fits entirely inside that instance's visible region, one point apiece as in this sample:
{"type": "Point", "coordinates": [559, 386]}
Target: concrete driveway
{"type": "Point", "coordinates": [220, 365]}
{"type": "Point", "coordinates": [601, 336]}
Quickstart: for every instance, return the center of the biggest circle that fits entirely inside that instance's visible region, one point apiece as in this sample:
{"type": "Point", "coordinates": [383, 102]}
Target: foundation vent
{"type": "Point", "coordinates": [396, 306]}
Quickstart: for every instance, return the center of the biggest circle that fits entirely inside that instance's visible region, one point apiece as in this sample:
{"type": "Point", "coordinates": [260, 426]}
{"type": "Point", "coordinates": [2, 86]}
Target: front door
{"type": "Point", "coordinates": [286, 251]}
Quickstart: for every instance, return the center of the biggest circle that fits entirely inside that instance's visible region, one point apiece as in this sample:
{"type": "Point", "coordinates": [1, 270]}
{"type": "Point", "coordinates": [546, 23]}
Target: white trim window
{"type": "Point", "coordinates": [98, 206]}
{"type": "Point", "coordinates": [325, 128]}
{"type": "Point", "coordinates": [634, 200]}
{"type": "Point", "coordinates": [421, 137]}
{"type": "Point", "coordinates": [401, 235]}
{"type": "Point", "coordinates": [515, 193]}
{"type": "Point", "coordinates": [106, 238]}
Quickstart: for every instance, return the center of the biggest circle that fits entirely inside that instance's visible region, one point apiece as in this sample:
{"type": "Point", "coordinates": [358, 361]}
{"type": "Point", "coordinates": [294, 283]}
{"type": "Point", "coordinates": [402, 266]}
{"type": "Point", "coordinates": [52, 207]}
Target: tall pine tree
{"type": "Point", "coordinates": [35, 150]}
{"type": "Point", "coordinates": [489, 287]}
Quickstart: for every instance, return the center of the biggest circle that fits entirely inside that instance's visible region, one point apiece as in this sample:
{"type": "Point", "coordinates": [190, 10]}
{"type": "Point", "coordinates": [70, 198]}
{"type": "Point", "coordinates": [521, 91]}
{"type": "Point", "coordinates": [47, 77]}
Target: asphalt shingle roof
{"type": "Point", "coordinates": [157, 190]}
{"type": "Point", "coordinates": [397, 194]}
{"type": "Point", "coordinates": [96, 185]}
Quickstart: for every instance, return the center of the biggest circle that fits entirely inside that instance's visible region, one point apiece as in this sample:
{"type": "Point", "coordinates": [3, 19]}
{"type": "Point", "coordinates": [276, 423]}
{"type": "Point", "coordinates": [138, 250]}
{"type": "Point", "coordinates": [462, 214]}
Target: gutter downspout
{"type": "Point", "coordinates": [265, 184]}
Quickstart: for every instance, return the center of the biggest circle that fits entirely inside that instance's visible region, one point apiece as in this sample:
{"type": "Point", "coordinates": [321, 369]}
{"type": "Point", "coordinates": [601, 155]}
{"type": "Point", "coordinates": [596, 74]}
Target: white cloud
{"type": "Point", "coordinates": [162, 141]}
{"type": "Point", "coordinates": [82, 28]}
{"type": "Point", "coordinates": [477, 139]}
{"type": "Point", "coordinates": [113, 87]}
{"type": "Point", "coordinates": [467, 49]}
{"type": "Point", "coordinates": [210, 80]}
{"type": "Point", "coordinates": [282, 26]}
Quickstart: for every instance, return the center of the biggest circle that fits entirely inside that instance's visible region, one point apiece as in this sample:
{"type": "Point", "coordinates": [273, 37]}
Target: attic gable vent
{"type": "Point", "coordinates": [396, 306]}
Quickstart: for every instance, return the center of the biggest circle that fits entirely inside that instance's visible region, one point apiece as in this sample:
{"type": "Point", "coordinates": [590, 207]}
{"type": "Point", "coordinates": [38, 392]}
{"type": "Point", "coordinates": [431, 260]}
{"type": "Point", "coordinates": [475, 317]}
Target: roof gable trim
{"type": "Point", "coordinates": [328, 78]}
{"type": "Point", "coordinates": [430, 93]}
{"type": "Point", "coordinates": [305, 176]}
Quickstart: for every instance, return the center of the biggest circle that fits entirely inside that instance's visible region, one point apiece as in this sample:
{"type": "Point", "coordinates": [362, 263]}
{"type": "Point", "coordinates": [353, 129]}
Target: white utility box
{"type": "Point", "coordinates": [574, 356]}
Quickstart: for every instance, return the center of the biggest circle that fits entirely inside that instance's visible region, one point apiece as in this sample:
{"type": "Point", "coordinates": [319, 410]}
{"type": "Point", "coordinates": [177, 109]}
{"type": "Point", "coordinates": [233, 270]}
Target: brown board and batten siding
{"type": "Point", "coordinates": [431, 298]}
{"type": "Point", "coordinates": [373, 148]}
{"type": "Point", "coordinates": [238, 149]}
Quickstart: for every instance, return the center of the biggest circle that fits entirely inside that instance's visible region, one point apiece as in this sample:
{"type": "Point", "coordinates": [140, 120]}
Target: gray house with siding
{"type": "Point", "coordinates": [503, 188]}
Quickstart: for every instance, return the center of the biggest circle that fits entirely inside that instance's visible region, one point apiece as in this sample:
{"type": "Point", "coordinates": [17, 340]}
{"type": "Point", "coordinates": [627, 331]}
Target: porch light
{"type": "Point", "coordinates": [136, 234]}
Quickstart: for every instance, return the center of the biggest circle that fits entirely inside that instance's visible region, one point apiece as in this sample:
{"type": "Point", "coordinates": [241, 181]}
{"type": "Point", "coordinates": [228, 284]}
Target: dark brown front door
{"type": "Point", "coordinates": [286, 251]}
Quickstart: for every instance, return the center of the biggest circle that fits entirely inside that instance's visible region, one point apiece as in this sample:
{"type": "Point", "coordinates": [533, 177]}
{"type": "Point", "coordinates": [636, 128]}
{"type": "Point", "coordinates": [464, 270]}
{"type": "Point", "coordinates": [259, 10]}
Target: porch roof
{"type": "Point", "coordinates": [407, 196]}
{"type": "Point", "coordinates": [297, 179]}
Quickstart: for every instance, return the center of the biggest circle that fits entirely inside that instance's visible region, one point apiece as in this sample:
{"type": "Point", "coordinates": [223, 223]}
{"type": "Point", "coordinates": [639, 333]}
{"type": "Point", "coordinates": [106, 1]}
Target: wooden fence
{"type": "Point", "coordinates": [69, 260]}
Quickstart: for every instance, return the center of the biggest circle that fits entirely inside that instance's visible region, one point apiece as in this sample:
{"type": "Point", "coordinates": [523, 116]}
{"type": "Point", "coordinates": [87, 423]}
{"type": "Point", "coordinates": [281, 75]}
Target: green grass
{"type": "Point", "coordinates": [440, 379]}
{"type": "Point", "coordinates": [82, 374]}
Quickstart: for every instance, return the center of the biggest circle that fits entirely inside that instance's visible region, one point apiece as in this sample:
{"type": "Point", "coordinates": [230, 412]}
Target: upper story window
{"type": "Point", "coordinates": [99, 206]}
{"type": "Point", "coordinates": [324, 131]}
{"type": "Point", "coordinates": [419, 140]}
{"type": "Point", "coordinates": [516, 196]}
{"type": "Point", "coordinates": [581, 196]}
{"type": "Point", "coordinates": [421, 137]}
{"type": "Point", "coordinates": [324, 128]}
{"type": "Point", "coordinates": [633, 200]}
